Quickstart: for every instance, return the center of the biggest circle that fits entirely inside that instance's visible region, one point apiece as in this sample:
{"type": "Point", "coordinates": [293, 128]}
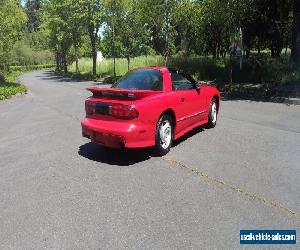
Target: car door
{"type": "Point", "coordinates": [190, 102]}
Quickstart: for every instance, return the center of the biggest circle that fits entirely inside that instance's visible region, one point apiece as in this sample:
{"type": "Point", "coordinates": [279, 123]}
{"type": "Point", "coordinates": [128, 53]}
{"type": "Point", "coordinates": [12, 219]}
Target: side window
{"type": "Point", "coordinates": [180, 82]}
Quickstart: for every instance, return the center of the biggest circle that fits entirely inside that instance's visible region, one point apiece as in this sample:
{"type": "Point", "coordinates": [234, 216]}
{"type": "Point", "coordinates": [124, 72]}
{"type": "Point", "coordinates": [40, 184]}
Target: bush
{"type": "Point", "coordinates": [2, 78]}
{"type": "Point", "coordinates": [202, 68]}
{"type": "Point", "coordinates": [265, 70]}
{"type": "Point", "coordinates": [271, 72]}
{"type": "Point", "coordinates": [8, 89]}
{"type": "Point", "coordinates": [23, 54]}
{"type": "Point", "coordinates": [30, 67]}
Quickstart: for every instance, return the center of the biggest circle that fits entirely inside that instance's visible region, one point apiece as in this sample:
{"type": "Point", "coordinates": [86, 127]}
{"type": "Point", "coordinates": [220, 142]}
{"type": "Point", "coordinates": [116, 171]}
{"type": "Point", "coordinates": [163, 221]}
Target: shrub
{"type": "Point", "coordinates": [8, 89]}
{"type": "Point", "coordinates": [263, 69]}
{"type": "Point", "coordinates": [2, 78]}
{"type": "Point", "coordinates": [23, 54]}
{"type": "Point", "coordinates": [202, 68]}
{"type": "Point", "coordinates": [31, 67]}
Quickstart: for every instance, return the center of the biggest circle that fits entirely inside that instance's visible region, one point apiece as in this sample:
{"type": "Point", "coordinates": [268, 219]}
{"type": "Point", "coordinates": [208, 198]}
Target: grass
{"type": "Point", "coordinates": [8, 89]}
{"type": "Point", "coordinates": [200, 67]}
{"type": "Point", "coordinates": [272, 74]}
{"type": "Point", "coordinates": [256, 69]}
{"type": "Point", "coordinates": [105, 68]}
{"type": "Point", "coordinates": [8, 85]}
{"type": "Point", "coordinates": [31, 67]}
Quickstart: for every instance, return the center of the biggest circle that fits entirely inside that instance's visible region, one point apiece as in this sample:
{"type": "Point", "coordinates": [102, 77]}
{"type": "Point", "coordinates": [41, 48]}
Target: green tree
{"type": "Point", "coordinates": [214, 25]}
{"type": "Point", "coordinates": [60, 40]}
{"type": "Point", "coordinates": [76, 25]}
{"type": "Point", "coordinates": [114, 10]}
{"type": "Point", "coordinates": [130, 32]}
{"type": "Point", "coordinates": [152, 15]}
{"type": "Point", "coordinates": [33, 8]}
{"type": "Point", "coordinates": [65, 22]}
{"type": "Point", "coordinates": [93, 20]}
{"type": "Point", "coordinates": [295, 54]}
{"type": "Point", "coordinates": [13, 20]}
{"type": "Point", "coordinates": [184, 23]}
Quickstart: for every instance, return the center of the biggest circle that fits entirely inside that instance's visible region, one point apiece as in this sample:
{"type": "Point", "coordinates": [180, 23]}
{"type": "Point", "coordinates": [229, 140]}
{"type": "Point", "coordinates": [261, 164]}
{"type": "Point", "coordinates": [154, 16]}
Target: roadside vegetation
{"type": "Point", "coordinates": [255, 69]}
{"type": "Point", "coordinates": [260, 76]}
{"type": "Point", "coordinates": [8, 81]}
{"type": "Point", "coordinates": [8, 86]}
{"type": "Point", "coordinates": [198, 36]}
{"type": "Point", "coordinates": [22, 46]}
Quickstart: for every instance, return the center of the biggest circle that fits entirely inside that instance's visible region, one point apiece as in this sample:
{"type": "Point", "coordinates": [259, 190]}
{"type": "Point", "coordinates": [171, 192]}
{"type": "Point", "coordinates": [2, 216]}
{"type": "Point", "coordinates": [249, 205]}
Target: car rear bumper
{"type": "Point", "coordinates": [115, 134]}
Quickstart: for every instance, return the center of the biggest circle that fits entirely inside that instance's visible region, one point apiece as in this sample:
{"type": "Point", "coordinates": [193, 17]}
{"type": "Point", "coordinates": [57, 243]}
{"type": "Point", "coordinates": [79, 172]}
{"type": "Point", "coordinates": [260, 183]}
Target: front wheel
{"type": "Point", "coordinates": [163, 135]}
{"type": "Point", "coordinates": [213, 113]}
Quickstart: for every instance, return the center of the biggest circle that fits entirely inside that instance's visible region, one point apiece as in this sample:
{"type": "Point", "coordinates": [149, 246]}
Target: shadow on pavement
{"type": "Point", "coordinates": [51, 75]}
{"type": "Point", "coordinates": [119, 157]}
{"type": "Point", "coordinates": [188, 135]}
{"type": "Point", "coordinates": [125, 157]}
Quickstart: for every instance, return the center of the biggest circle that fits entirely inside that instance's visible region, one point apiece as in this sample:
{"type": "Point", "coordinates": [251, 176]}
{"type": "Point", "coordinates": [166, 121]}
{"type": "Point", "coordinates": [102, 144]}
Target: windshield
{"type": "Point", "coordinates": [141, 79]}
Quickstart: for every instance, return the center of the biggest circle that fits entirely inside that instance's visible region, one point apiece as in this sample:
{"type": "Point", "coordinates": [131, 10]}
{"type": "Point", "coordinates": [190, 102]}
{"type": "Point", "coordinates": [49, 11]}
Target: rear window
{"type": "Point", "coordinates": [141, 79]}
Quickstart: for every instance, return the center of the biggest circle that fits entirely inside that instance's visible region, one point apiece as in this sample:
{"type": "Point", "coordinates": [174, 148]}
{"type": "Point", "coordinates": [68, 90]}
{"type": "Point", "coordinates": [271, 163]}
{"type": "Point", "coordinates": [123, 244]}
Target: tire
{"type": "Point", "coordinates": [163, 135]}
{"type": "Point", "coordinates": [213, 113]}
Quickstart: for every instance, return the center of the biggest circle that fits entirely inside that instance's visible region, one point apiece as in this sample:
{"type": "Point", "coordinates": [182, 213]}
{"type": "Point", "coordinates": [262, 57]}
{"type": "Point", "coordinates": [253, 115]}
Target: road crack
{"type": "Point", "coordinates": [220, 182]}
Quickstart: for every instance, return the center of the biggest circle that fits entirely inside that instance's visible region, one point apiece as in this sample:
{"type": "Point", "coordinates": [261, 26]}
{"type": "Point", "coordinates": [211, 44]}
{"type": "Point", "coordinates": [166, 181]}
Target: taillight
{"type": "Point", "coordinates": [89, 107]}
{"type": "Point", "coordinates": [123, 111]}
{"type": "Point", "coordinates": [116, 110]}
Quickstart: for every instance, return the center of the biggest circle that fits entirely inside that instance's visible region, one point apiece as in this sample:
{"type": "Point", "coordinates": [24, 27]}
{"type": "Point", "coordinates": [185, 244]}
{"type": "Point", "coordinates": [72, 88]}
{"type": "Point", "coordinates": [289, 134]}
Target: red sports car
{"type": "Point", "coordinates": [149, 106]}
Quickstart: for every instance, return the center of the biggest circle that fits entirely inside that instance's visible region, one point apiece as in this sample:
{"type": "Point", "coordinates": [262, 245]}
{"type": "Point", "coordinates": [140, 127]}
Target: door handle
{"type": "Point", "coordinates": [182, 99]}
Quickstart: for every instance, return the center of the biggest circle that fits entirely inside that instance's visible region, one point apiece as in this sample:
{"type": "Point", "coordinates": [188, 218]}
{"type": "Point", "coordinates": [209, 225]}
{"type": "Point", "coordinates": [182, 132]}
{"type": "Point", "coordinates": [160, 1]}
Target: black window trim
{"type": "Point", "coordinates": [188, 77]}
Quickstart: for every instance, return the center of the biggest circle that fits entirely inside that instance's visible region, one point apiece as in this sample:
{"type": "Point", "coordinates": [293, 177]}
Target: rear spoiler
{"type": "Point", "coordinates": [121, 93]}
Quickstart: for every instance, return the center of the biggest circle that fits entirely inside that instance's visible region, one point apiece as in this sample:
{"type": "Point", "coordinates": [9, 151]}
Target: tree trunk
{"type": "Point", "coordinates": [113, 47]}
{"type": "Point", "coordinates": [94, 52]}
{"type": "Point", "coordinates": [214, 52]}
{"type": "Point", "coordinates": [230, 70]}
{"type": "Point", "coordinates": [295, 54]}
{"type": "Point", "coordinates": [218, 50]}
{"type": "Point", "coordinates": [57, 61]}
{"type": "Point", "coordinates": [93, 37]}
{"type": "Point", "coordinates": [76, 58]}
{"type": "Point", "coordinates": [247, 51]}
{"type": "Point", "coordinates": [276, 48]}
{"type": "Point", "coordinates": [184, 44]}
{"type": "Point", "coordinates": [128, 62]}
{"type": "Point", "coordinates": [76, 62]}
{"type": "Point", "coordinates": [167, 23]}
{"type": "Point", "coordinates": [65, 64]}
{"type": "Point", "coordinates": [94, 55]}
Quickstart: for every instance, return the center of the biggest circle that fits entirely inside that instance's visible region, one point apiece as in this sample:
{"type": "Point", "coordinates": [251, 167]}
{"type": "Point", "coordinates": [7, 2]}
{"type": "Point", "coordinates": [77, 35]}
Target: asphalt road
{"type": "Point", "coordinates": [57, 190]}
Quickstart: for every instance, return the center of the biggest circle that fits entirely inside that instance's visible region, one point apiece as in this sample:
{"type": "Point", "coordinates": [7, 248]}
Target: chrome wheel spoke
{"type": "Point", "coordinates": [214, 112]}
{"type": "Point", "coordinates": [165, 134]}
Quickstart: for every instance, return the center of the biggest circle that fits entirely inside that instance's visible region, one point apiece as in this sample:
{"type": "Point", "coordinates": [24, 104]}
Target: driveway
{"type": "Point", "coordinates": [60, 191]}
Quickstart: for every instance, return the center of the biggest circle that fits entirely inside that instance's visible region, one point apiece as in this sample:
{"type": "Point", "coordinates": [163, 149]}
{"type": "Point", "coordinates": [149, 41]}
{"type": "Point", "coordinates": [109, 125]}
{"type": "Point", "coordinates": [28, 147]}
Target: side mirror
{"type": "Point", "coordinates": [198, 85]}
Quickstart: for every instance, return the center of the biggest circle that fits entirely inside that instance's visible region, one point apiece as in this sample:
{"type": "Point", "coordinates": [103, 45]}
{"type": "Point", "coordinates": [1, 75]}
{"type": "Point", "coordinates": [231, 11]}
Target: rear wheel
{"type": "Point", "coordinates": [163, 135]}
{"type": "Point", "coordinates": [213, 113]}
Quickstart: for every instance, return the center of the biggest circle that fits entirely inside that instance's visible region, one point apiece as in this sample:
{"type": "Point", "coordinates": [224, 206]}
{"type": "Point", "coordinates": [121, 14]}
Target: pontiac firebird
{"type": "Point", "coordinates": [149, 107]}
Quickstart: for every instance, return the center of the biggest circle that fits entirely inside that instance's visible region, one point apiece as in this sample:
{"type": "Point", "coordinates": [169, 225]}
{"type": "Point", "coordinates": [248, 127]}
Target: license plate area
{"type": "Point", "coordinates": [108, 140]}
{"type": "Point", "coordinates": [102, 108]}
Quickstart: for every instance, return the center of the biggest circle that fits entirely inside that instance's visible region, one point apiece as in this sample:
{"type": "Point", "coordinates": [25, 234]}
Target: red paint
{"type": "Point", "coordinates": [132, 115]}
